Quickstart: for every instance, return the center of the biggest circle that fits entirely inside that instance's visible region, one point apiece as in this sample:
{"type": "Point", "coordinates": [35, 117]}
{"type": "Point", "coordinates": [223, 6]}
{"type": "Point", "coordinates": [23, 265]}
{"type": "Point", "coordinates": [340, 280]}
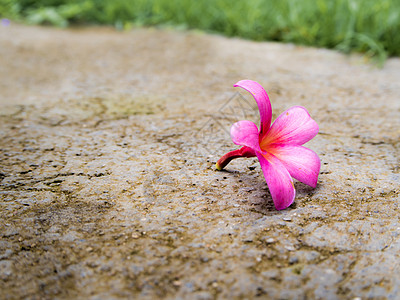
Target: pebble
{"type": "Point", "coordinates": [290, 248]}
{"type": "Point", "coordinates": [176, 283]}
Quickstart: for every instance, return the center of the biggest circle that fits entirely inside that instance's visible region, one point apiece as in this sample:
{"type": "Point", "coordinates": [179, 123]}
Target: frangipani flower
{"type": "Point", "coordinates": [278, 147]}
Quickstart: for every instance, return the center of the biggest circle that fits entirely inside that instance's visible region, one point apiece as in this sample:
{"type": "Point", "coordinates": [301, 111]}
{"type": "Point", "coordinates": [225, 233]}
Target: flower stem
{"type": "Point", "coordinates": [242, 152]}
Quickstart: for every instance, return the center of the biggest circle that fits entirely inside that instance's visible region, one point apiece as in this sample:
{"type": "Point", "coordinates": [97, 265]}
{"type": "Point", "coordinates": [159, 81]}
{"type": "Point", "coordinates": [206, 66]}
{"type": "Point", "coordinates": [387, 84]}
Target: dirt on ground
{"type": "Point", "coordinates": [108, 188]}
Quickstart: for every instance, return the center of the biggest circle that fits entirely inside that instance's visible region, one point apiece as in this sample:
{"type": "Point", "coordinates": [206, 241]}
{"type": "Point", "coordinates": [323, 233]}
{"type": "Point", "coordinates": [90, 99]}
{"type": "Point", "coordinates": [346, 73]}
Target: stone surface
{"type": "Point", "coordinates": [108, 142]}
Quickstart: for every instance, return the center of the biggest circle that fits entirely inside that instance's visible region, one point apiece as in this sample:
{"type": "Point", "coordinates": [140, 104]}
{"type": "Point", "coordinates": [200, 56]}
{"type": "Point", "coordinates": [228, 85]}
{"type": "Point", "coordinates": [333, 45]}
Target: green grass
{"type": "Point", "coordinates": [367, 26]}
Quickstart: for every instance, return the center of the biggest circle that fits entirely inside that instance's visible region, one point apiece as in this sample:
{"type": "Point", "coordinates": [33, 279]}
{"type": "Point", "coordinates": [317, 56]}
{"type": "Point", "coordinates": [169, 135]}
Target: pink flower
{"type": "Point", "coordinates": [278, 147]}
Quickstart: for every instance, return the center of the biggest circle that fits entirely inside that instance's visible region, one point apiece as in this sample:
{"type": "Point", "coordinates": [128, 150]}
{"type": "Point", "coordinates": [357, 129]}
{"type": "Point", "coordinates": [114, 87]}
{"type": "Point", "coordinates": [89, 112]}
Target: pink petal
{"type": "Point", "coordinates": [247, 152]}
{"type": "Point", "coordinates": [294, 127]}
{"type": "Point", "coordinates": [263, 103]}
{"type": "Point", "coordinates": [279, 182]}
{"type": "Point", "coordinates": [245, 133]}
{"type": "Point", "coordinates": [301, 162]}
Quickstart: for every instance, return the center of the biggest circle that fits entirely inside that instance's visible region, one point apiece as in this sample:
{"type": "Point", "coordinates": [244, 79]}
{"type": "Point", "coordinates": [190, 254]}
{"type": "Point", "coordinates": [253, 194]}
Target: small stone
{"type": "Point", "coordinates": [5, 269]}
{"type": "Point", "coordinates": [270, 241]}
{"type": "Point", "coordinates": [105, 268]}
{"type": "Point", "coordinates": [293, 260]}
{"type": "Point", "coordinates": [290, 248]}
{"type": "Point", "coordinates": [7, 254]}
{"type": "Point", "coordinates": [93, 264]}
{"type": "Point", "coordinates": [177, 283]}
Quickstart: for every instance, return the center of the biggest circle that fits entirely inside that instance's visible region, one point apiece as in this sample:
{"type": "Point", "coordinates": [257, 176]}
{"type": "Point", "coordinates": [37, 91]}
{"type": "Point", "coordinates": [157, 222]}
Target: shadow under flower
{"type": "Point", "coordinates": [255, 193]}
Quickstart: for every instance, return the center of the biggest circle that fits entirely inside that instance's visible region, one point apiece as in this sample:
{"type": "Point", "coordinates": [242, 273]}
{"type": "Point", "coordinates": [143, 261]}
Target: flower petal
{"type": "Point", "coordinates": [279, 182]}
{"type": "Point", "coordinates": [293, 127]}
{"type": "Point", "coordinates": [245, 133]}
{"type": "Point", "coordinates": [302, 163]}
{"type": "Point", "coordinates": [263, 103]}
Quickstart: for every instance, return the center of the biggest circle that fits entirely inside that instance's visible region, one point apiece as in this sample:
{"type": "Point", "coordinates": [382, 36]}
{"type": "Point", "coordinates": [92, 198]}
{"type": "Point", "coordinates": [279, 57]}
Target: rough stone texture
{"type": "Point", "coordinates": [108, 189]}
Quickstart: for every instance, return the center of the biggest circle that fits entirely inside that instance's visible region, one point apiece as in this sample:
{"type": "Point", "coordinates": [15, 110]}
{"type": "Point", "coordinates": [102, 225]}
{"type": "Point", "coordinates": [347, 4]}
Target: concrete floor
{"type": "Point", "coordinates": [108, 189]}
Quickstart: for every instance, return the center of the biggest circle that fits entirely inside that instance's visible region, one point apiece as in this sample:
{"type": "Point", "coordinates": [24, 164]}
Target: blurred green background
{"type": "Point", "coordinates": [368, 26]}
